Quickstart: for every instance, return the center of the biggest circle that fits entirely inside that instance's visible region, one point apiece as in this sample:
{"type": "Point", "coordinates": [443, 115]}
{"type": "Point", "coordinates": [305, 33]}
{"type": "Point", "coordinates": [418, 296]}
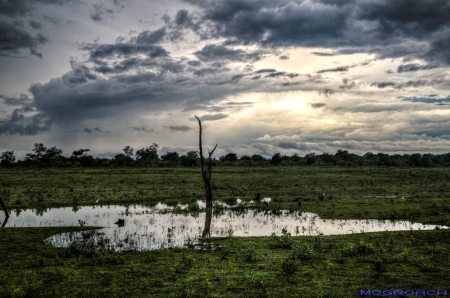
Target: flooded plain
{"type": "Point", "coordinates": [162, 226]}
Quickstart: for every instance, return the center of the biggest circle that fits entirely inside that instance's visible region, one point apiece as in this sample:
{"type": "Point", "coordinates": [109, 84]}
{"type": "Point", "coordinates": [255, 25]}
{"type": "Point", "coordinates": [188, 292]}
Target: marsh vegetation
{"type": "Point", "coordinates": [282, 264]}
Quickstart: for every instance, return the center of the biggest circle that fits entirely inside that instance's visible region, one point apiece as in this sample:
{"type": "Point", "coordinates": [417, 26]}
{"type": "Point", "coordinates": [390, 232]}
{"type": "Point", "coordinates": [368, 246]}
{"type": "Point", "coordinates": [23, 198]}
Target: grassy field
{"type": "Point", "coordinates": [421, 194]}
{"type": "Point", "coordinates": [329, 266]}
{"type": "Point", "coordinates": [281, 266]}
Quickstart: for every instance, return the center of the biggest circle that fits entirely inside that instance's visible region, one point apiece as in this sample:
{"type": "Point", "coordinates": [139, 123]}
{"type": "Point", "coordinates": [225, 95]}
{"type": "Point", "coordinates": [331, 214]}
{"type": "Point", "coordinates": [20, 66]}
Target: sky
{"type": "Point", "coordinates": [264, 76]}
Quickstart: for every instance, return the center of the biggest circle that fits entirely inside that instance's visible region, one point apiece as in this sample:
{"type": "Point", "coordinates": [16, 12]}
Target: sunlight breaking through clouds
{"type": "Point", "coordinates": [261, 74]}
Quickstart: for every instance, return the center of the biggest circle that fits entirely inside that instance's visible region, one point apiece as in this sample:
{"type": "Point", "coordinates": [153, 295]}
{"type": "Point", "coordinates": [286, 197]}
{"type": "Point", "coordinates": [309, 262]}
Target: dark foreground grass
{"type": "Point", "coordinates": [326, 266]}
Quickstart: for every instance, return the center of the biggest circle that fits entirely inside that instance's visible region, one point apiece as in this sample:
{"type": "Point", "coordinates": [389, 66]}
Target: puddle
{"type": "Point", "coordinates": [161, 226]}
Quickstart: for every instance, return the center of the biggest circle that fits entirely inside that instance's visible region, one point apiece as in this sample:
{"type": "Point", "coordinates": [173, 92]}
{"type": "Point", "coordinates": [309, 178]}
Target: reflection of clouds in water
{"type": "Point", "coordinates": [148, 227]}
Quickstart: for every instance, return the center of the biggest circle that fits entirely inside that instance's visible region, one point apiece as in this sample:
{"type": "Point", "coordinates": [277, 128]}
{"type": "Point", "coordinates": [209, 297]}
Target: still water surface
{"type": "Point", "coordinates": [159, 227]}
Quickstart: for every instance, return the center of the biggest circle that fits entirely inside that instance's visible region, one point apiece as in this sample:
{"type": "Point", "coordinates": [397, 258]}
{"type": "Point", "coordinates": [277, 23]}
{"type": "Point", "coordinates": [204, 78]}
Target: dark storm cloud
{"type": "Point", "coordinates": [439, 47]}
{"type": "Point", "coordinates": [35, 25]}
{"type": "Point", "coordinates": [213, 117]}
{"type": "Point", "coordinates": [79, 74]}
{"type": "Point", "coordinates": [233, 80]}
{"type": "Point", "coordinates": [280, 22]}
{"type": "Point", "coordinates": [18, 123]}
{"type": "Point", "coordinates": [428, 99]}
{"type": "Point", "coordinates": [103, 51]}
{"type": "Point", "coordinates": [165, 65]}
{"type": "Point", "coordinates": [217, 52]}
{"type": "Point", "coordinates": [337, 69]}
{"type": "Point", "coordinates": [15, 7]}
{"type": "Point", "coordinates": [21, 7]}
{"type": "Point", "coordinates": [182, 18]}
{"type": "Point", "coordinates": [416, 18]}
{"type": "Point", "coordinates": [283, 57]}
{"type": "Point", "coordinates": [317, 105]}
{"type": "Point", "coordinates": [415, 67]}
{"type": "Point", "coordinates": [265, 70]}
{"type": "Point", "coordinates": [183, 128]}
{"type": "Point", "coordinates": [387, 28]}
{"type": "Point", "coordinates": [209, 71]}
{"type": "Point", "coordinates": [79, 95]}
{"type": "Point", "coordinates": [194, 63]}
{"type": "Point", "coordinates": [14, 101]}
{"type": "Point", "coordinates": [408, 84]}
{"type": "Point", "coordinates": [104, 69]}
{"type": "Point", "coordinates": [27, 109]}
{"type": "Point", "coordinates": [150, 37]}
{"type": "Point", "coordinates": [281, 74]}
{"type": "Point", "coordinates": [13, 38]}
{"type": "Point", "coordinates": [139, 78]}
{"type": "Point", "coordinates": [73, 97]}
{"type": "Point", "coordinates": [383, 84]}
{"type": "Point", "coordinates": [413, 83]}
{"type": "Point", "coordinates": [134, 63]}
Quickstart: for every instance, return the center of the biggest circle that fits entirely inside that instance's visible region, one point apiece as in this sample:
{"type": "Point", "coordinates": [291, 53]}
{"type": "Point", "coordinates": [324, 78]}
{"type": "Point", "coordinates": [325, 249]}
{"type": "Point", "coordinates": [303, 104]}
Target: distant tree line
{"type": "Point", "coordinates": [149, 157]}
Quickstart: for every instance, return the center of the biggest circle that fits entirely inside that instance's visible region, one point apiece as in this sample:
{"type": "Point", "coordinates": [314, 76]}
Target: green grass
{"type": "Point", "coordinates": [338, 266]}
{"type": "Point", "coordinates": [425, 191]}
{"type": "Point", "coordinates": [278, 266]}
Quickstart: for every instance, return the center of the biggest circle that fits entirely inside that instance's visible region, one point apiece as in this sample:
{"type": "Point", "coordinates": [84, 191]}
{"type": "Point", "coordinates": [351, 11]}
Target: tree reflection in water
{"type": "Point", "coordinates": [5, 221]}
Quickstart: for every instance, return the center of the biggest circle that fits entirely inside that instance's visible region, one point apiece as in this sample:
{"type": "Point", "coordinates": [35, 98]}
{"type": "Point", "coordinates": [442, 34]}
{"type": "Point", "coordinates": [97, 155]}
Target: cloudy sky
{"type": "Point", "coordinates": [265, 76]}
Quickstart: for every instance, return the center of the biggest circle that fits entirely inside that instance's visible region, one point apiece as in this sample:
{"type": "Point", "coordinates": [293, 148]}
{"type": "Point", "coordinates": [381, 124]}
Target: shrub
{"type": "Point", "coordinates": [283, 241]}
{"type": "Point", "coordinates": [249, 253]}
{"type": "Point", "coordinates": [302, 251]}
{"type": "Point", "coordinates": [363, 248]}
{"type": "Point", "coordinates": [289, 267]}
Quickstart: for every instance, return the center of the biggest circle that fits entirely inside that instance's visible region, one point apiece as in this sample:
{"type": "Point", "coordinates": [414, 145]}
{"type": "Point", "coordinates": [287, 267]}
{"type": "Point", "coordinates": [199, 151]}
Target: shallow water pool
{"type": "Point", "coordinates": [161, 226]}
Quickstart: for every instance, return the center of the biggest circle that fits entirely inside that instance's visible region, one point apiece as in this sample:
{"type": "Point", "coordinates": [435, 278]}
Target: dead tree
{"type": "Point", "coordinates": [4, 208]}
{"type": "Point", "coordinates": [206, 168]}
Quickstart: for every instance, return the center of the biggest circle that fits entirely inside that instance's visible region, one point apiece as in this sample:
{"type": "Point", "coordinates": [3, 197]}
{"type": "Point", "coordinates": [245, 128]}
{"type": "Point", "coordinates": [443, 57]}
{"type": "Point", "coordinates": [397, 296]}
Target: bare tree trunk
{"type": "Point", "coordinates": [4, 208]}
{"type": "Point", "coordinates": [207, 228]}
{"type": "Point", "coordinates": [206, 168]}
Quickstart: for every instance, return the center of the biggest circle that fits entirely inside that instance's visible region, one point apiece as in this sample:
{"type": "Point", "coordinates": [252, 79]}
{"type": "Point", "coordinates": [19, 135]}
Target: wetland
{"type": "Point", "coordinates": [376, 227]}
